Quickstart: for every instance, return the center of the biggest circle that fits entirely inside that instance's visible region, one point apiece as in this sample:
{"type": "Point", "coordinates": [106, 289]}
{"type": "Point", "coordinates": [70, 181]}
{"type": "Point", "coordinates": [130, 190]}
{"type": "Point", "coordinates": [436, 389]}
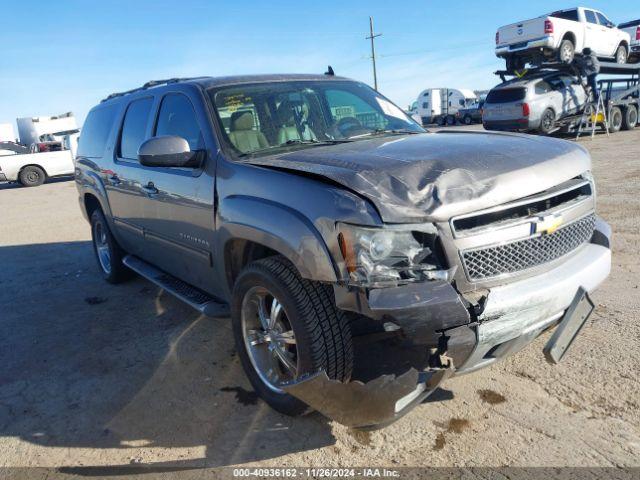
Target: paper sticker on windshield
{"type": "Point", "coordinates": [234, 102]}
{"type": "Point", "coordinates": [390, 109]}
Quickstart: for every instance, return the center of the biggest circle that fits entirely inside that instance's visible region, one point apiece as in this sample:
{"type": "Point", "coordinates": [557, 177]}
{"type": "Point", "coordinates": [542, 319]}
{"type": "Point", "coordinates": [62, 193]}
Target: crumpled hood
{"type": "Point", "coordinates": [434, 176]}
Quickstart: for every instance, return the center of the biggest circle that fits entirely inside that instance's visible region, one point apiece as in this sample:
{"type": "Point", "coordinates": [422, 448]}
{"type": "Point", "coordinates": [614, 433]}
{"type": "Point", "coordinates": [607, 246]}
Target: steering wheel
{"type": "Point", "coordinates": [349, 126]}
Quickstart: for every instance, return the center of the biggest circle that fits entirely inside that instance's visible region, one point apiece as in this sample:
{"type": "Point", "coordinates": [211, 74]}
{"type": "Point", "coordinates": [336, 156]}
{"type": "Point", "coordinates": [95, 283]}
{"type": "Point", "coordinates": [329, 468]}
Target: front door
{"type": "Point", "coordinates": [596, 34]}
{"type": "Point", "coordinates": [179, 210]}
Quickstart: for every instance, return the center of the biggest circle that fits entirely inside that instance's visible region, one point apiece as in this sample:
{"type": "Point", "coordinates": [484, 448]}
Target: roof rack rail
{"type": "Point", "coordinates": [149, 84]}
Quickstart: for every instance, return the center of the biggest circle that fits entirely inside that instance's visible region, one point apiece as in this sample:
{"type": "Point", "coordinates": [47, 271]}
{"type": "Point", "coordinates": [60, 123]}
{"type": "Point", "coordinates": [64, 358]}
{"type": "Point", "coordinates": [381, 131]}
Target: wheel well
{"type": "Point", "coordinates": [34, 165]}
{"type": "Point", "coordinates": [570, 36]}
{"type": "Point", "coordinates": [91, 204]}
{"type": "Point", "coordinates": [238, 253]}
{"type": "Point", "coordinates": [624, 44]}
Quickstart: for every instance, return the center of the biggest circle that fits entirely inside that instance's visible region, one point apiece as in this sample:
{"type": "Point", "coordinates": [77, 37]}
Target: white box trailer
{"type": "Point", "coordinates": [440, 105]}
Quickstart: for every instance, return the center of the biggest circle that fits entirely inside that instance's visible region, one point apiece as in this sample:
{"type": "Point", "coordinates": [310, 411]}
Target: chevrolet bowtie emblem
{"type": "Point", "coordinates": [547, 224]}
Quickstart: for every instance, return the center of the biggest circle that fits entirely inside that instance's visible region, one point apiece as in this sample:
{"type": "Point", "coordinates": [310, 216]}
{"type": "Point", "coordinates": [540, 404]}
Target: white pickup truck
{"type": "Point", "coordinates": [633, 29]}
{"type": "Point", "coordinates": [32, 169]}
{"type": "Point", "coordinates": [559, 36]}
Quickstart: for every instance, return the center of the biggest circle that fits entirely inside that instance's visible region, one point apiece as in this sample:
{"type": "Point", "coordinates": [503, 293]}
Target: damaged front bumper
{"type": "Point", "coordinates": [368, 405]}
{"type": "Point", "coordinates": [434, 317]}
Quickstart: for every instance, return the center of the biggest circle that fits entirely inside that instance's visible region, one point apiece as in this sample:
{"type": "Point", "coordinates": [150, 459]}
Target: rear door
{"type": "Point", "coordinates": [124, 188]}
{"type": "Point", "coordinates": [179, 210]}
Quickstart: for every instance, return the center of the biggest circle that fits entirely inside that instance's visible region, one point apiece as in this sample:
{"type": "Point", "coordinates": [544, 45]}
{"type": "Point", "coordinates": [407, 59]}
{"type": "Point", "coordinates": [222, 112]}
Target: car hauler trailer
{"type": "Point", "coordinates": [620, 93]}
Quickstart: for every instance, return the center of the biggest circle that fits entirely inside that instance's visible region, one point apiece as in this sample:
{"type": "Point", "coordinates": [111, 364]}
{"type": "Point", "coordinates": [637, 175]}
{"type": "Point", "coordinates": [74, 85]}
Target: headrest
{"type": "Point", "coordinates": [241, 121]}
{"type": "Point", "coordinates": [285, 112]}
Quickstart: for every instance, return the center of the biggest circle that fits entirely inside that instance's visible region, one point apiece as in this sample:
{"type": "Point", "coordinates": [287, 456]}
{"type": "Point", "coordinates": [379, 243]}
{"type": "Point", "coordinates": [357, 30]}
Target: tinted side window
{"type": "Point", "coordinates": [542, 87]}
{"type": "Point", "coordinates": [95, 131]}
{"type": "Point", "coordinates": [177, 117]}
{"type": "Point", "coordinates": [602, 19]}
{"type": "Point", "coordinates": [590, 16]}
{"type": "Point", "coordinates": [134, 127]}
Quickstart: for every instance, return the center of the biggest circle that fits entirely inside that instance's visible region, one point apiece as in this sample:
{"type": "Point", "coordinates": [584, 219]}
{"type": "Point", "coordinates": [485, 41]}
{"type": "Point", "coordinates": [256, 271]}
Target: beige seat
{"type": "Point", "coordinates": [288, 130]}
{"type": "Point", "coordinates": [242, 134]}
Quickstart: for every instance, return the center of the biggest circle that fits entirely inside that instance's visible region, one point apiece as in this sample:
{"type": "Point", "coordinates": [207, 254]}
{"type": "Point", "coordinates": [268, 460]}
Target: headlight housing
{"type": "Point", "coordinates": [391, 256]}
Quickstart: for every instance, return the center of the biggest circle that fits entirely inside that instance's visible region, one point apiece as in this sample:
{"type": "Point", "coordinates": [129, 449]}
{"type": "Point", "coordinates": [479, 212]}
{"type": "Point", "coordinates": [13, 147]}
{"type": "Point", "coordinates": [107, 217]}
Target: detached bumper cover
{"type": "Point", "coordinates": [517, 313]}
{"type": "Point", "coordinates": [367, 405]}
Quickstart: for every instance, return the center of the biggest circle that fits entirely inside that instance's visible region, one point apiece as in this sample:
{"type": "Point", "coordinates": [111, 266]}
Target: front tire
{"type": "Point", "coordinates": [621, 54]}
{"type": "Point", "coordinates": [284, 327]}
{"type": "Point", "coordinates": [32, 176]}
{"type": "Point", "coordinates": [467, 120]}
{"type": "Point", "coordinates": [630, 118]}
{"type": "Point", "coordinates": [108, 253]}
{"type": "Point", "coordinates": [567, 51]}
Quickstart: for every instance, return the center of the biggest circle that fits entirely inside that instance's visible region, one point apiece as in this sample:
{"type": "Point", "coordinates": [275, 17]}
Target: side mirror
{"type": "Point", "coordinates": [167, 151]}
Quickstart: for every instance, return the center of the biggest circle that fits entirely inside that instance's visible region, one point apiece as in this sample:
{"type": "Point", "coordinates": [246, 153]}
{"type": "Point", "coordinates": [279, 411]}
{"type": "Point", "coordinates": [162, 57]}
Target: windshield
{"type": "Point", "coordinates": [264, 118]}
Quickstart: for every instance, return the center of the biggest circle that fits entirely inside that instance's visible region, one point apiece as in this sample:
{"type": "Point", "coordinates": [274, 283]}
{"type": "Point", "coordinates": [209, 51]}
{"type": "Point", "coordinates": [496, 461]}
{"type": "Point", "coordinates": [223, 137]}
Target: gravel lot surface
{"type": "Point", "coordinates": [95, 374]}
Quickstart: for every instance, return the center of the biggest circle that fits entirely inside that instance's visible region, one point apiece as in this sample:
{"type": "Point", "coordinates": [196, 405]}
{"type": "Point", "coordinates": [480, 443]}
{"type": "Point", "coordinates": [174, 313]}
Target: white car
{"type": "Point", "coordinates": [559, 35]}
{"type": "Point", "coordinates": [633, 29]}
{"type": "Point", "coordinates": [32, 169]}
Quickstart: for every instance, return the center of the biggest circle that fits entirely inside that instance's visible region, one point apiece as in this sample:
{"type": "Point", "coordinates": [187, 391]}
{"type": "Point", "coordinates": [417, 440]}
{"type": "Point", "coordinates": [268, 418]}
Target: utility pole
{"type": "Point", "coordinates": [373, 52]}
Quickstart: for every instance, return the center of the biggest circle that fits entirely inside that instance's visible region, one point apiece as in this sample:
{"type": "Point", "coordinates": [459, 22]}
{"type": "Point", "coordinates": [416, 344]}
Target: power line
{"type": "Point", "coordinates": [371, 37]}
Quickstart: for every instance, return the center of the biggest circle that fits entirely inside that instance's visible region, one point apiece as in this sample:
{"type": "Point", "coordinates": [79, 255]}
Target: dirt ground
{"type": "Point", "coordinates": [95, 374]}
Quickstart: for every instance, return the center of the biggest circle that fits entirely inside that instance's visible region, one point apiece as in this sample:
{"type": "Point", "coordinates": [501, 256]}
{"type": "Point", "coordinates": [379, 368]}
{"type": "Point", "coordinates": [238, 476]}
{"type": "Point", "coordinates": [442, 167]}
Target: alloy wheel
{"type": "Point", "coordinates": [102, 246]}
{"type": "Point", "coordinates": [269, 338]}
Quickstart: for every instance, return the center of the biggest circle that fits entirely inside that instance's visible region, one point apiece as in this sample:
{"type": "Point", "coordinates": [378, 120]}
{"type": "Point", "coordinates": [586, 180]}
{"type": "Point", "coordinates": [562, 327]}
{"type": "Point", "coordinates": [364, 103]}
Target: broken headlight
{"type": "Point", "coordinates": [391, 256]}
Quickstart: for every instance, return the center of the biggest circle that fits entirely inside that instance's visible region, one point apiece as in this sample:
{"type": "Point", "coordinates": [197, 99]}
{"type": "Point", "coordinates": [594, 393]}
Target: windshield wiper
{"type": "Point", "coordinates": [384, 131]}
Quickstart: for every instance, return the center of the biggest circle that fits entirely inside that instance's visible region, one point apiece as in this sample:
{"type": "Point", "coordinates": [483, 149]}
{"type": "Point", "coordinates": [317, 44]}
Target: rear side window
{"type": "Point", "coordinates": [590, 16]}
{"type": "Point", "coordinates": [177, 117]}
{"type": "Point", "coordinates": [567, 15]}
{"type": "Point", "coordinates": [506, 95]}
{"type": "Point", "coordinates": [542, 87]}
{"type": "Point", "coordinates": [95, 131]}
{"type": "Point", "coordinates": [134, 128]}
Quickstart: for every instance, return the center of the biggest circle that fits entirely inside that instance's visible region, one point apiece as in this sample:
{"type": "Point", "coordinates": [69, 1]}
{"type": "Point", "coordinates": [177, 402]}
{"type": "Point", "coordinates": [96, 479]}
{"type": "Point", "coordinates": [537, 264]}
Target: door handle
{"type": "Point", "coordinates": [150, 189]}
{"type": "Point", "coordinates": [114, 179]}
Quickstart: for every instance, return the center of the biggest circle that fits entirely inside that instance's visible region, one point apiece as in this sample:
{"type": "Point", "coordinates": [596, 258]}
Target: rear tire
{"type": "Point", "coordinates": [32, 176]}
{"type": "Point", "coordinates": [630, 118]}
{"type": "Point", "coordinates": [567, 51]}
{"type": "Point", "coordinates": [451, 120]}
{"type": "Point", "coordinates": [307, 311]}
{"type": "Point", "coordinates": [615, 120]}
{"type": "Point", "coordinates": [622, 55]}
{"type": "Point", "coordinates": [547, 122]}
{"type": "Point", "coordinates": [108, 253]}
{"type": "Point", "coordinates": [440, 121]}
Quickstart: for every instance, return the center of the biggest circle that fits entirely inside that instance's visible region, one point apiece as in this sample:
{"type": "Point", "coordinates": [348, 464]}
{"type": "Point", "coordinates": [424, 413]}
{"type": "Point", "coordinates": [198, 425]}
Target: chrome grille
{"type": "Point", "coordinates": [485, 263]}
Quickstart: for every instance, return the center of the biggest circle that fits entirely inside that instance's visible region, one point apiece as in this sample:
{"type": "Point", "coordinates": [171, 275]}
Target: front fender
{"type": "Point", "coordinates": [279, 227]}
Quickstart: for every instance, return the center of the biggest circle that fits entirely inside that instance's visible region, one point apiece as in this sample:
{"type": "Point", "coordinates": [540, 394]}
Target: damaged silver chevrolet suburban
{"type": "Point", "coordinates": [362, 259]}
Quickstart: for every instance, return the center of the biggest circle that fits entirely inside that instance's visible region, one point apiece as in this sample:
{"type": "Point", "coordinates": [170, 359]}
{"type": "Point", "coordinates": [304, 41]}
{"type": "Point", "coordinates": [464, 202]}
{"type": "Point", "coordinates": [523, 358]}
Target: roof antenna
{"type": "Point", "coordinates": [329, 71]}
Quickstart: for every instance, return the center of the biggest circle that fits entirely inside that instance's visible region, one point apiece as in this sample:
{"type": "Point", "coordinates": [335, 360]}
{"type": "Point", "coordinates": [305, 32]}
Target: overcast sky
{"type": "Point", "coordinates": [60, 56]}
